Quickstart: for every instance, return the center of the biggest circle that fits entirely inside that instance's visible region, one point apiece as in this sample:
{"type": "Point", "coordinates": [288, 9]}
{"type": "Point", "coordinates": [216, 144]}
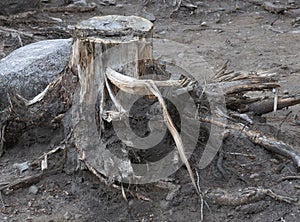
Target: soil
{"type": "Point", "coordinates": [241, 31]}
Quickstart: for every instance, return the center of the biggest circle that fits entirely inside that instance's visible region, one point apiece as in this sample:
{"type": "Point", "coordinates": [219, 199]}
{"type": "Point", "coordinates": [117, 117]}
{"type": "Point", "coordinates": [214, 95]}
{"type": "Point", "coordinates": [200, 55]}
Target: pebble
{"type": "Point", "coordinates": [56, 19]}
{"type": "Point", "coordinates": [285, 92]}
{"type": "Point", "coordinates": [254, 175]}
{"type": "Point", "coordinates": [21, 166]}
{"type": "Point", "coordinates": [203, 24]}
{"type": "Point", "coordinates": [291, 2]}
{"type": "Point", "coordinates": [67, 216]}
{"type": "Point", "coordinates": [80, 3]}
{"type": "Point", "coordinates": [181, 55]}
{"type": "Point", "coordinates": [150, 17]}
{"type": "Point", "coordinates": [77, 216]}
{"type": "Point", "coordinates": [108, 2]}
{"type": "Point", "coordinates": [33, 189]}
{"type": "Point", "coordinates": [164, 204]}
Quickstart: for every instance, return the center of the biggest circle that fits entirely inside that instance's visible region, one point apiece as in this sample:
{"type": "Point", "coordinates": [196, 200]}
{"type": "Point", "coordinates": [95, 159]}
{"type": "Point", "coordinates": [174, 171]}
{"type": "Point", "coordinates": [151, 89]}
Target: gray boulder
{"type": "Point", "coordinates": [29, 69]}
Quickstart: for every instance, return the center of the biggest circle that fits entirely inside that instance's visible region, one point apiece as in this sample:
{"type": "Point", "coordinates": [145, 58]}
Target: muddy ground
{"type": "Point", "coordinates": [244, 33]}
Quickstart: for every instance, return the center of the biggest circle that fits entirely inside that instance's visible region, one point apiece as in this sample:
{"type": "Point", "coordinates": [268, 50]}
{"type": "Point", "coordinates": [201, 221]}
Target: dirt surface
{"type": "Point", "coordinates": [244, 33]}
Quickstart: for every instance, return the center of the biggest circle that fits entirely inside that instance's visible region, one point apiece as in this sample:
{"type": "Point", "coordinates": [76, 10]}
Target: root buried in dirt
{"type": "Point", "coordinates": [245, 196]}
{"type": "Point", "coordinates": [268, 143]}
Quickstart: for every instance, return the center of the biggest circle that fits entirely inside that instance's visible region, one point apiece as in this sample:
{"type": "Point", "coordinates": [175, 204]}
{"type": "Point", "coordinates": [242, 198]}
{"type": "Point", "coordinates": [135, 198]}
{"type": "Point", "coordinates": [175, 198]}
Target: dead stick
{"type": "Point", "coordinates": [74, 9]}
{"type": "Point", "coordinates": [269, 143]}
{"type": "Point", "coordinates": [267, 106]}
{"type": "Point", "coordinates": [290, 178]}
{"type": "Point", "coordinates": [245, 196]}
{"type": "Point", "coordinates": [27, 181]}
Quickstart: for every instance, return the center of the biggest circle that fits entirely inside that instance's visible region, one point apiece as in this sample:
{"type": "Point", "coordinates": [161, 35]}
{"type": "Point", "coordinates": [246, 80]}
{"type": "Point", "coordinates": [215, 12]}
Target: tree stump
{"type": "Point", "coordinates": [112, 41]}
{"type": "Point", "coordinates": [112, 56]}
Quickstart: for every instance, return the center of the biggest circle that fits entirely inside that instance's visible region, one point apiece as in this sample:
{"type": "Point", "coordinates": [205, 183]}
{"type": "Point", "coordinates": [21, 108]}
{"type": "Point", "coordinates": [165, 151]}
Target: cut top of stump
{"type": "Point", "coordinates": [114, 26]}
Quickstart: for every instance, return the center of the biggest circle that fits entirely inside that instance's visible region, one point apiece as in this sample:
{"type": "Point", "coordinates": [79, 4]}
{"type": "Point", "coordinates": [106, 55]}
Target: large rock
{"type": "Point", "coordinates": [29, 69]}
{"type": "Point", "coordinates": [8, 7]}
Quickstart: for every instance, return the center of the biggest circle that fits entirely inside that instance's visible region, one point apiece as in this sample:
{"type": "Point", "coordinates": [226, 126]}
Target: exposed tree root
{"type": "Point", "coordinates": [72, 9]}
{"type": "Point", "coordinates": [245, 196]}
{"type": "Point", "coordinates": [269, 143]}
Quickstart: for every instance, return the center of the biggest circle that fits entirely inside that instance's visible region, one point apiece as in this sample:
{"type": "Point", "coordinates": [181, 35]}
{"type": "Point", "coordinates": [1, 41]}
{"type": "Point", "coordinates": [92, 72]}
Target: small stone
{"type": "Point", "coordinates": [150, 17]}
{"type": "Point", "coordinates": [67, 216]}
{"type": "Point", "coordinates": [285, 92]}
{"type": "Point", "coordinates": [181, 55]}
{"type": "Point", "coordinates": [80, 3]}
{"type": "Point", "coordinates": [21, 166]}
{"type": "Point", "coordinates": [274, 161]}
{"type": "Point", "coordinates": [254, 175]}
{"type": "Point", "coordinates": [291, 2]}
{"type": "Point", "coordinates": [108, 2]}
{"type": "Point", "coordinates": [56, 19]}
{"type": "Point", "coordinates": [203, 24]}
{"type": "Point", "coordinates": [33, 189]}
{"type": "Point", "coordinates": [77, 216]}
{"type": "Point", "coordinates": [164, 204]}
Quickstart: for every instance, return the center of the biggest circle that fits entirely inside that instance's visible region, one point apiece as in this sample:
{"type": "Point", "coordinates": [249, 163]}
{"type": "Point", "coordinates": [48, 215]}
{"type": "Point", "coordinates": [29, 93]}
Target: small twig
{"type": "Point", "coordinates": [177, 7]}
{"type": "Point", "coordinates": [71, 9]}
{"type": "Point", "coordinates": [285, 118]}
{"type": "Point", "coordinates": [221, 71]}
{"type": "Point", "coordinates": [27, 181]}
{"type": "Point", "coordinates": [290, 178]}
{"type": "Point", "coordinates": [275, 20]}
{"type": "Point", "coordinates": [1, 199]}
{"type": "Point", "coordinates": [201, 197]}
{"type": "Point", "coordinates": [241, 154]}
{"type": "Point", "coordinates": [220, 164]}
{"type": "Point", "coordinates": [123, 193]}
{"type": "Point", "coordinates": [278, 197]}
{"type": "Point", "coordinates": [104, 180]}
{"type": "Point", "coordinates": [17, 17]}
{"type": "Point", "coordinates": [56, 149]}
{"type": "Point", "coordinates": [20, 40]}
{"type": "Point", "coordinates": [2, 139]}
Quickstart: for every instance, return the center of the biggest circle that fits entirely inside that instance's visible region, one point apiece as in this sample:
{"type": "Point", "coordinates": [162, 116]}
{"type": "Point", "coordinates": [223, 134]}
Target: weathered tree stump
{"type": "Point", "coordinates": [112, 56]}
{"type": "Point", "coordinates": [111, 41]}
